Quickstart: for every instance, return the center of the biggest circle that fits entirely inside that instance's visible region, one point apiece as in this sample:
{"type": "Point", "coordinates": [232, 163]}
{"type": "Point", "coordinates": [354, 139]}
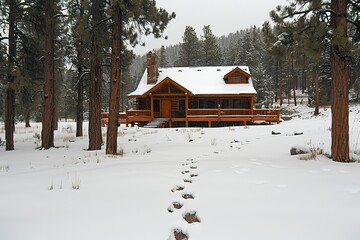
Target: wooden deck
{"type": "Point", "coordinates": [198, 115]}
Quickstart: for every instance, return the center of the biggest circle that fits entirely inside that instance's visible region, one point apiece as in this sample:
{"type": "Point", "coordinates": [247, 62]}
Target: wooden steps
{"type": "Point", "coordinates": [159, 123]}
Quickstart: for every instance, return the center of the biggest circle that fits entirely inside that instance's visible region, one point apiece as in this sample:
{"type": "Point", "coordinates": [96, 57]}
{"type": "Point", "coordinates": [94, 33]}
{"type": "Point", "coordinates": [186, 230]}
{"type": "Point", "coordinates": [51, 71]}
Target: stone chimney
{"type": "Point", "coordinates": [152, 68]}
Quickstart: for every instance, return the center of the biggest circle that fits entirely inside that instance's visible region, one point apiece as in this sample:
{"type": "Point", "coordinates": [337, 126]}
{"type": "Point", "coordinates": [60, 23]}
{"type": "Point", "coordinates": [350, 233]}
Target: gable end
{"type": "Point", "coordinates": [237, 76]}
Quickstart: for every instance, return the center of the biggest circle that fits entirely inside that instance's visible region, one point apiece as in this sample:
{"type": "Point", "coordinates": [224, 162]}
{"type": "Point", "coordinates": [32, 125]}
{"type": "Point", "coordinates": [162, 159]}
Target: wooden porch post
{"type": "Point", "coordinates": [126, 116]}
{"type": "Point", "coordinates": [152, 106]}
{"type": "Point", "coordinates": [219, 112]}
{"type": "Point", "coordinates": [186, 109]}
{"type": "Point", "coordinates": [252, 105]}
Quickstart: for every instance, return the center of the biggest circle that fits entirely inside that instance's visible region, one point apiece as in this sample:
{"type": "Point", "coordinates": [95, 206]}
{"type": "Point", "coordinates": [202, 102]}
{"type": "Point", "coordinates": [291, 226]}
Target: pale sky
{"type": "Point", "coordinates": [224, 17]}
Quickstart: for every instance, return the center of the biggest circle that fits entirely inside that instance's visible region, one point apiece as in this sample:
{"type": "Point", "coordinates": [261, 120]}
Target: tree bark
{"type": "Point", "coordinates": [317, 93]}
{"type": "Point", "coordinates": [47, 133]}
{"type": "Point", "coordinates": [80, 84]}
{"type": "Point", "coordinates": [115, 80]}
{"type": "Point", "coordinates": [10, 91]}
{"type": "Point", "coordinates": [95, 90]}
{"type": "Point", "coordinates": [293, 81]}
{"type": "Point", "coordinates": [339, 89]}
{"type": "Point", "coordinates": [80, 93]}
{"type": "Point", "coordinates": [280, 83]}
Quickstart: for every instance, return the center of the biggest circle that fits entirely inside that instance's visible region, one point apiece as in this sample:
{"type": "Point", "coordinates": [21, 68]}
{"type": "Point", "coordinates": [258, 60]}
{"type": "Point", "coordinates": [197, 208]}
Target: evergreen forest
{"type": "Point", "coordinates": [71, 59]}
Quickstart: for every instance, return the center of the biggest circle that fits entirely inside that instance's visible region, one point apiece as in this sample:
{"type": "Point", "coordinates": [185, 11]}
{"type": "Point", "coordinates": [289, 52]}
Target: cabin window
{"type": "Point", "coordinates": [225, 103]}
{"type": "Point", "coordinates": [237, 103]}
{"type": "Point", "coordinates": [237, 79]}
{"type": "Point", "coordinates": [156, 105]}
{"type": "Point", "coordinates": [207, 103]}
{"type": "Point", "coordinates": [181, 105]}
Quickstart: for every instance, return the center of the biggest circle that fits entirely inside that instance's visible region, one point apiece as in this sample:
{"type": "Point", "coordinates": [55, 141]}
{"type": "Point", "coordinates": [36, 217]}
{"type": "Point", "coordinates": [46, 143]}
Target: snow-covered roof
{"type": "Point", "coordinates": [199, 80]}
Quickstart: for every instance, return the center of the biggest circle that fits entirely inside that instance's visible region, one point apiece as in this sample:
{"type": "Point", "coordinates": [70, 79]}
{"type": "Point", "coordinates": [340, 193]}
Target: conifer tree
{"type": "Point", "coordinates": [47, 132]}
{"type": "Point", "coordinates": [189, 53]}
{"type": "Point", "coordinates": [211, 52]}
{"type": "Point", "coordinates": [163, 62]}
{"type": "Point", "coordinates": [337, 15]}
{"type": "Point", "coordinates": [79, 18]}
{"type": "Point", "coordinates": [10, 91]}
{"type": "Point", "coordinates": [125, 14]}
{"type": "Point", "coordinates": [98, 37]}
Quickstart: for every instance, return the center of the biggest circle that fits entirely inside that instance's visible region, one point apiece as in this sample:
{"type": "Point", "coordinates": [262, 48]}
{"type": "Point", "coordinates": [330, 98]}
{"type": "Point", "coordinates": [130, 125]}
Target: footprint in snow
{"type": "Point", "coordinates": [177, 188]}
{"type": "Point", "coordinates": [179, 234]}
{"type": "Point", "coordinates": [191, 217]}
{"type": "Point", "coordinates": [185, 172]}
{"type": "Point", "coordinates": [193, 167]}
{"type": "Point", "coordinates": [187, 180]}
{"type": "Point", "coordinates": [188, 196]}
{"type": "Point", "coordinates": [174, 206]}
{"type": "Point", "coordinates": [281, 185]}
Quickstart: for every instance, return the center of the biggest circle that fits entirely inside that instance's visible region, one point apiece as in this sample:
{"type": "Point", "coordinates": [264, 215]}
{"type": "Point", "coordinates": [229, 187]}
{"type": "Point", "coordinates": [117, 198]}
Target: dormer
{"type": "Point", "coordinates": [237, 76]}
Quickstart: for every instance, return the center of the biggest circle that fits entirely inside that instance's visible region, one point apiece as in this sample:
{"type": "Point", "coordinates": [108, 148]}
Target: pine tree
{"type": "Point", "coordinates": [98, 37]}
{"type": "Point", "coordinates": [10, 91]}
{"type": "Point", "coordinates": [189, 54]}
{"type": "Point", "coordinates": [47, 133]}
{"type": "Point", "coordinates": [126, 13]}
{"type": "Point", "coordinates": [263, 85]}
{"type": "Point", "coordinates": [211, 52]}
{"type": "Point", "coordinates": [79, 18]}
{"type": "Point", "coordinates": [163, 62]}
{"type": "Point", "coordinates": [115, 78]}
{"type": "Point", "coordinates": [335, 16]}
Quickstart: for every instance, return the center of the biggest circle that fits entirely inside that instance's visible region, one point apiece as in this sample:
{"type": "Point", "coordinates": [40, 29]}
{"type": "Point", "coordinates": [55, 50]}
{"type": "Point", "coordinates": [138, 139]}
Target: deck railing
{"type": "Point", "coordinates": [138, 113]}
{"type": "Point", "coordinates": [270, 115]}
{"type": "Point", "coordinates": [203, 112]}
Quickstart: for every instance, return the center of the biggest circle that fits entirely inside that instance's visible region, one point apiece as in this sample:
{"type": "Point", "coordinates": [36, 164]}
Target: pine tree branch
{"type": "Point", "coordinates": [100, 22]}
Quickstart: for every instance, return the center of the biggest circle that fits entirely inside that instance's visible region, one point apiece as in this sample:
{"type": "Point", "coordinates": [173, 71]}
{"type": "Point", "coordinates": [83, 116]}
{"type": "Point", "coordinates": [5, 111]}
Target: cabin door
{"type": "Point", "coordinates": [166, 108]}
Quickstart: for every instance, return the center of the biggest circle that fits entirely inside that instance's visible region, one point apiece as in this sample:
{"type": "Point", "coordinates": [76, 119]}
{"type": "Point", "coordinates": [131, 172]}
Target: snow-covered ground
{"type": "Point", "coordinates": [244, 182]}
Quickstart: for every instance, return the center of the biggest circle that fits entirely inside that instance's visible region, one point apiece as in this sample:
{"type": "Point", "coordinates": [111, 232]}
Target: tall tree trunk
{"type": "Point", "coordinates": [115, 79]}
{"type": "Point", "coordinates": [47, 133]}
{"type": "Point", "coordinates": [303, 81]}
{"type": "Point", "coordinates": [10, 91]}
{"type": "Point", "coordinates": [317, 91]}
{"type": "Point", "coordinates": [280, 83]}
{"type": "Point", "coordinates": [293, 81]}
{"type": "Point", "coordinates": [95, 90]}
{"type": "Point", "coordinates": [80, 84]}
{"type": "Point", "coordinates": [339, 90]}
{"type": "Point", "coordinates": [277, 80]}
{"type": "Point", "coordinates": [80, 92]}
{"type": "Point", "coordinates": [26, 97]}
{"type": "Point", "coordinates": [308, 82]}
{"type": "Point", "coordinates": [27, 118]}
{"type": "Point", "coordinates": [56, 106]}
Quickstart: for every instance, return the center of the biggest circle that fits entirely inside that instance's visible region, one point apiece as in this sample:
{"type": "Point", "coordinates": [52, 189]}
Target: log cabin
{"type": "Point", "coordinates": [194, 96]}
